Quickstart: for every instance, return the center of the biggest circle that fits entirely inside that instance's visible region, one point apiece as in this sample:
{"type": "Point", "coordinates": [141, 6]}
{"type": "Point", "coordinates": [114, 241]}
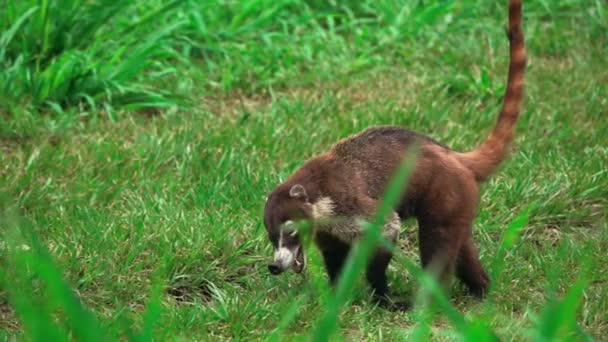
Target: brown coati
{"type": "Point", "coordinates": [442, 194]}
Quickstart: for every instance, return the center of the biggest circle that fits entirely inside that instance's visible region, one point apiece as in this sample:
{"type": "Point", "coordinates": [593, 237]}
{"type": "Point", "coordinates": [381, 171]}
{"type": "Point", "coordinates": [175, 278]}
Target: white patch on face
{"type": "Point", "coordinates": [323, 208]}
{"type": "Point", "coordinates": [284, 256]}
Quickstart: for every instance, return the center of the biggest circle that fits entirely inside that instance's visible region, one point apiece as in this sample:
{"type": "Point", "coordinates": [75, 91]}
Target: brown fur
{"type": "Point", "coordinates": [442, 193]}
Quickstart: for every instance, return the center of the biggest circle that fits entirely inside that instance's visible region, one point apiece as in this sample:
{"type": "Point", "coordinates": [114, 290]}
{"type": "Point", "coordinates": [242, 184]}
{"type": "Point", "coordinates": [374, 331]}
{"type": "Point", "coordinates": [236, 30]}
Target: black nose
{"type": "Point", "coordinates": [274, 269]}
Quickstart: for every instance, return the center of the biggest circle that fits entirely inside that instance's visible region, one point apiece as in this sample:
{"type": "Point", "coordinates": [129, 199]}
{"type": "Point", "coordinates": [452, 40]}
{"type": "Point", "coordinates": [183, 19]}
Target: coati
{"type": "Point", "coordinates": [442, 193]}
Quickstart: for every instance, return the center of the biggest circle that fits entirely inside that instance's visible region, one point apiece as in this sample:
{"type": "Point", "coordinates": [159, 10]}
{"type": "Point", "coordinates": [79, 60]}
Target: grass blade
{"type": "Point", "coordinates": [33, 256]}
{"type": "Point", "coordinates": [362, 251]}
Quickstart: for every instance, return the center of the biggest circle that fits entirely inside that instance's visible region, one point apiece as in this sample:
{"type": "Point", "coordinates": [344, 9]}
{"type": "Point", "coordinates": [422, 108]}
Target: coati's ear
{"type": "Point", "coordinates": [298, 191]}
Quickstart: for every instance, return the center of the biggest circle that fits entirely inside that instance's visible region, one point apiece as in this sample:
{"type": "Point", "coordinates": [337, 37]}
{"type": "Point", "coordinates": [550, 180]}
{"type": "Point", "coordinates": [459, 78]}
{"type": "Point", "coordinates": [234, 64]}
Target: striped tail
{"type": "Point", "coordinates": [484, 160]}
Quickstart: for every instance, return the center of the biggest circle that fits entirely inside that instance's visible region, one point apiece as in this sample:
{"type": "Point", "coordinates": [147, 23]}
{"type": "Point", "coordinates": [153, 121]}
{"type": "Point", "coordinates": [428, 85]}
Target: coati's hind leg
{"type": "Point", "coordinates": [470, 271]}
{"type": "Point", "coordinates": [445, 218]}
{"type": "Point", "coordinates": [440, 245]}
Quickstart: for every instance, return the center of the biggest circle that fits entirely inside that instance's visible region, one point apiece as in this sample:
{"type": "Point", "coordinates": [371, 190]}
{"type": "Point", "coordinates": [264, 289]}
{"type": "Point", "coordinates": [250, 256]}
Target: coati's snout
{"type": "Point", "coordinates": [287, 256]}
{"type": "Point", "coordinates": [283, 208]}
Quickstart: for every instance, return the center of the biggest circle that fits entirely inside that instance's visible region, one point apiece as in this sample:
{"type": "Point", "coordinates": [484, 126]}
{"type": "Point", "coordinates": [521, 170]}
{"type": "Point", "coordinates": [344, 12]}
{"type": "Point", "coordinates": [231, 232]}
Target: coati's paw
{"type": "Point", "coordinates": [401, 305]}
{"type": "Point", "coordinates": [392, 304]}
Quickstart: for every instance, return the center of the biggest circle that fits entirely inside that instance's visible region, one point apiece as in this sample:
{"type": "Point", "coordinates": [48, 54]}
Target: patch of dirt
{"type": "Point", "coordinates": [7, 317]}
{"type": "Point", "coordinates": [358, 90]}
{"type": "Point", "coordinates": [236, 279]}
{"type": "Point", "coordinates": [234, 103]}
{"type": "Point", "coordinates": [186, 294]}
{"type": "Point", "coordinates": [394, 85]}
{"type": "Point", "coordinates": [9, 144]}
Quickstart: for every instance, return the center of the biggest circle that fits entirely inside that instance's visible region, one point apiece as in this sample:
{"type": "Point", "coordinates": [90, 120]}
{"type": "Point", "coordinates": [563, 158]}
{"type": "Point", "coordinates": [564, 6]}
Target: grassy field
{"type": "Point", "coordinates": [139, 139]}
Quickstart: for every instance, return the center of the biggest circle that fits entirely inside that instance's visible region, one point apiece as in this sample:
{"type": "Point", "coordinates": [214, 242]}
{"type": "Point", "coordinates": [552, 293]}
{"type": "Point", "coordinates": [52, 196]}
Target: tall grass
{"type": "Point", "coordinates": [48, 307]}
{"type": "Point", "coordinates": [262, 44]}
{"type": "Point", "coordinates": [60, 54]}
{"type": "Point", "coordinates": [132, 54]}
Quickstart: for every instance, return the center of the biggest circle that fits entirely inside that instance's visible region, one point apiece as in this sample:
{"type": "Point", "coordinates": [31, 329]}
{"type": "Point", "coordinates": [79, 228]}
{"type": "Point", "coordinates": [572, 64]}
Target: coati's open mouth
{"type": "Point", "coordinates": [286, 259]}
{"type": "Point", "coordinates": [299, 263]}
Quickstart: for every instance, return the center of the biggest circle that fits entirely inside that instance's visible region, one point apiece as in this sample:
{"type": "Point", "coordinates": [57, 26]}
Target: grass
{"type": "Point", "coordinates": [135, 161]}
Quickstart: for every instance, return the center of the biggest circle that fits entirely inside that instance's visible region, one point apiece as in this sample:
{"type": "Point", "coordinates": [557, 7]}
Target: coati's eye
{"type": "Point", "coordinates": [288, 224]}
{"type": "Point", "coordinates": [290, 235]}
{"type": "Point", "coordinates": [289, 229]}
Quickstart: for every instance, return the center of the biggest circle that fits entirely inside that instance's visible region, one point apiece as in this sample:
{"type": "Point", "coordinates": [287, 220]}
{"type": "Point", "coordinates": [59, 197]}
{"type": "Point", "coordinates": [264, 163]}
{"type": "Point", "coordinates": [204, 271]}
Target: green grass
{"type": "Point", "coordinates": [136, 159]}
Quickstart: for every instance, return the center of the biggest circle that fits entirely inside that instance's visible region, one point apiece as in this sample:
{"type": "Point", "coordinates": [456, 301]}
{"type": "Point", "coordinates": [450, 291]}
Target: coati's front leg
{"type": "Point", "coordinates": [376, 272]}
{"type": "Point", "coordinates": [335, 244]}
{"type": "Point", "coordinates": [334, 252]}
{"type": "Point", "coordinates": [378, 265]}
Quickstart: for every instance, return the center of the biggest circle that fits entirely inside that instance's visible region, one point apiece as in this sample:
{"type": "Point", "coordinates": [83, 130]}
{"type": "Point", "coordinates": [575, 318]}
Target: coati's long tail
{"type": "Point", "coordinates": [487, 157]}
